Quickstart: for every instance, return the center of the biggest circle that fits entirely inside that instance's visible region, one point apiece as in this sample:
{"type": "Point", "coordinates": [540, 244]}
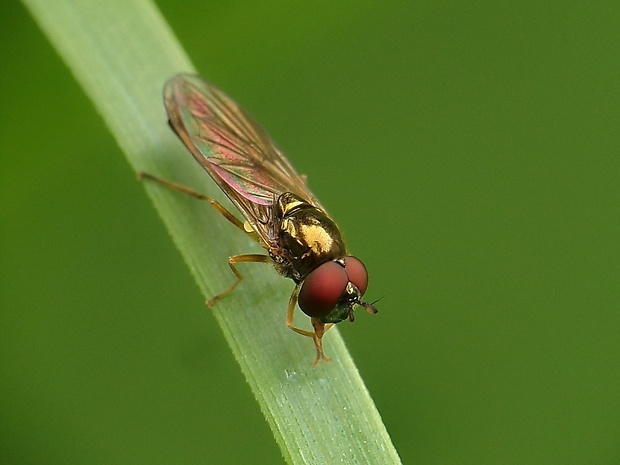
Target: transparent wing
{"type": "Point", "coordinates": [232, 147]}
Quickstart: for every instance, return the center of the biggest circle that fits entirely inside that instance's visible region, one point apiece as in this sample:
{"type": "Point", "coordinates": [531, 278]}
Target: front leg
{"type": "Point", "coordinates": [316, 335]}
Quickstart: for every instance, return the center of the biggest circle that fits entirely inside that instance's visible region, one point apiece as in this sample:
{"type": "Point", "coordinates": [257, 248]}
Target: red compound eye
{"type": "Point", "coordinates": [322, 289]}
{"type": "Point", "coordinates": [356, 271]}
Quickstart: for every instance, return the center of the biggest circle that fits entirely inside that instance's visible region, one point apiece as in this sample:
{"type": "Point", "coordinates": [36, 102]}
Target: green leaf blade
{"type": "Point", "coordinates": [121, 53]}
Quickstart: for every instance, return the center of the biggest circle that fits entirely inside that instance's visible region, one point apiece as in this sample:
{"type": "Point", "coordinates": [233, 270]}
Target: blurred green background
{"type": "Point", "coordinates": [471, 155]}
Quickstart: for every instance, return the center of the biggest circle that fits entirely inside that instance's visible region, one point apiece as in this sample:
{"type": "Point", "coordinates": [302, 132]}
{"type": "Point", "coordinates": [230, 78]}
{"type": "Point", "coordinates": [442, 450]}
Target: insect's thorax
{"type": "Point", "coordinates": [306, 237]}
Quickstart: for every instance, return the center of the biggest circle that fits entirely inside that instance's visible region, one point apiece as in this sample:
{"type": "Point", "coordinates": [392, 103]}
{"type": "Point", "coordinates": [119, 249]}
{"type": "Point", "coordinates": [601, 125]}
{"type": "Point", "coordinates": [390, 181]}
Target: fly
{"type": "Point", "coordinates": [302, 241]}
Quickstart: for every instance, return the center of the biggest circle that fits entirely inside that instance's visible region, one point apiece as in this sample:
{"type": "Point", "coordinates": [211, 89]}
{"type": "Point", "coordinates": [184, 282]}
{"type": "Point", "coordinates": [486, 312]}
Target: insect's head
{"type": "Point", "coordinates": [332, 290]}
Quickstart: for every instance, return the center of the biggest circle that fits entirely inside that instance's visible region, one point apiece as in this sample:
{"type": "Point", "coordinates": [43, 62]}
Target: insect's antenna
{"type": "Point", "coordinates": [370, 308]}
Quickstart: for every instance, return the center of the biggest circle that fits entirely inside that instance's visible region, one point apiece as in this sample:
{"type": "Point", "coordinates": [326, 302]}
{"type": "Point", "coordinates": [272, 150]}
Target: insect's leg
{"type": "Point", "coordinates": [197, 195]}
{"type": "Point", "coordinates": [319, 327]}
{"type": "Point", "coordinates": [245, 258]}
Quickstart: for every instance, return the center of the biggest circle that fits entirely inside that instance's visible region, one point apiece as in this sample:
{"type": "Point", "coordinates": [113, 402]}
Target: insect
{"type": "Point", "coordinates": [281, 213]}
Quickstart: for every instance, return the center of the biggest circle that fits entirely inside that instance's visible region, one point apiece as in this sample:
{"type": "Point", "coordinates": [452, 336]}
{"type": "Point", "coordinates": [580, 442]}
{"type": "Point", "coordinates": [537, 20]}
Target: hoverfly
{"type": "Point", "coordinates": [301, 239]}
